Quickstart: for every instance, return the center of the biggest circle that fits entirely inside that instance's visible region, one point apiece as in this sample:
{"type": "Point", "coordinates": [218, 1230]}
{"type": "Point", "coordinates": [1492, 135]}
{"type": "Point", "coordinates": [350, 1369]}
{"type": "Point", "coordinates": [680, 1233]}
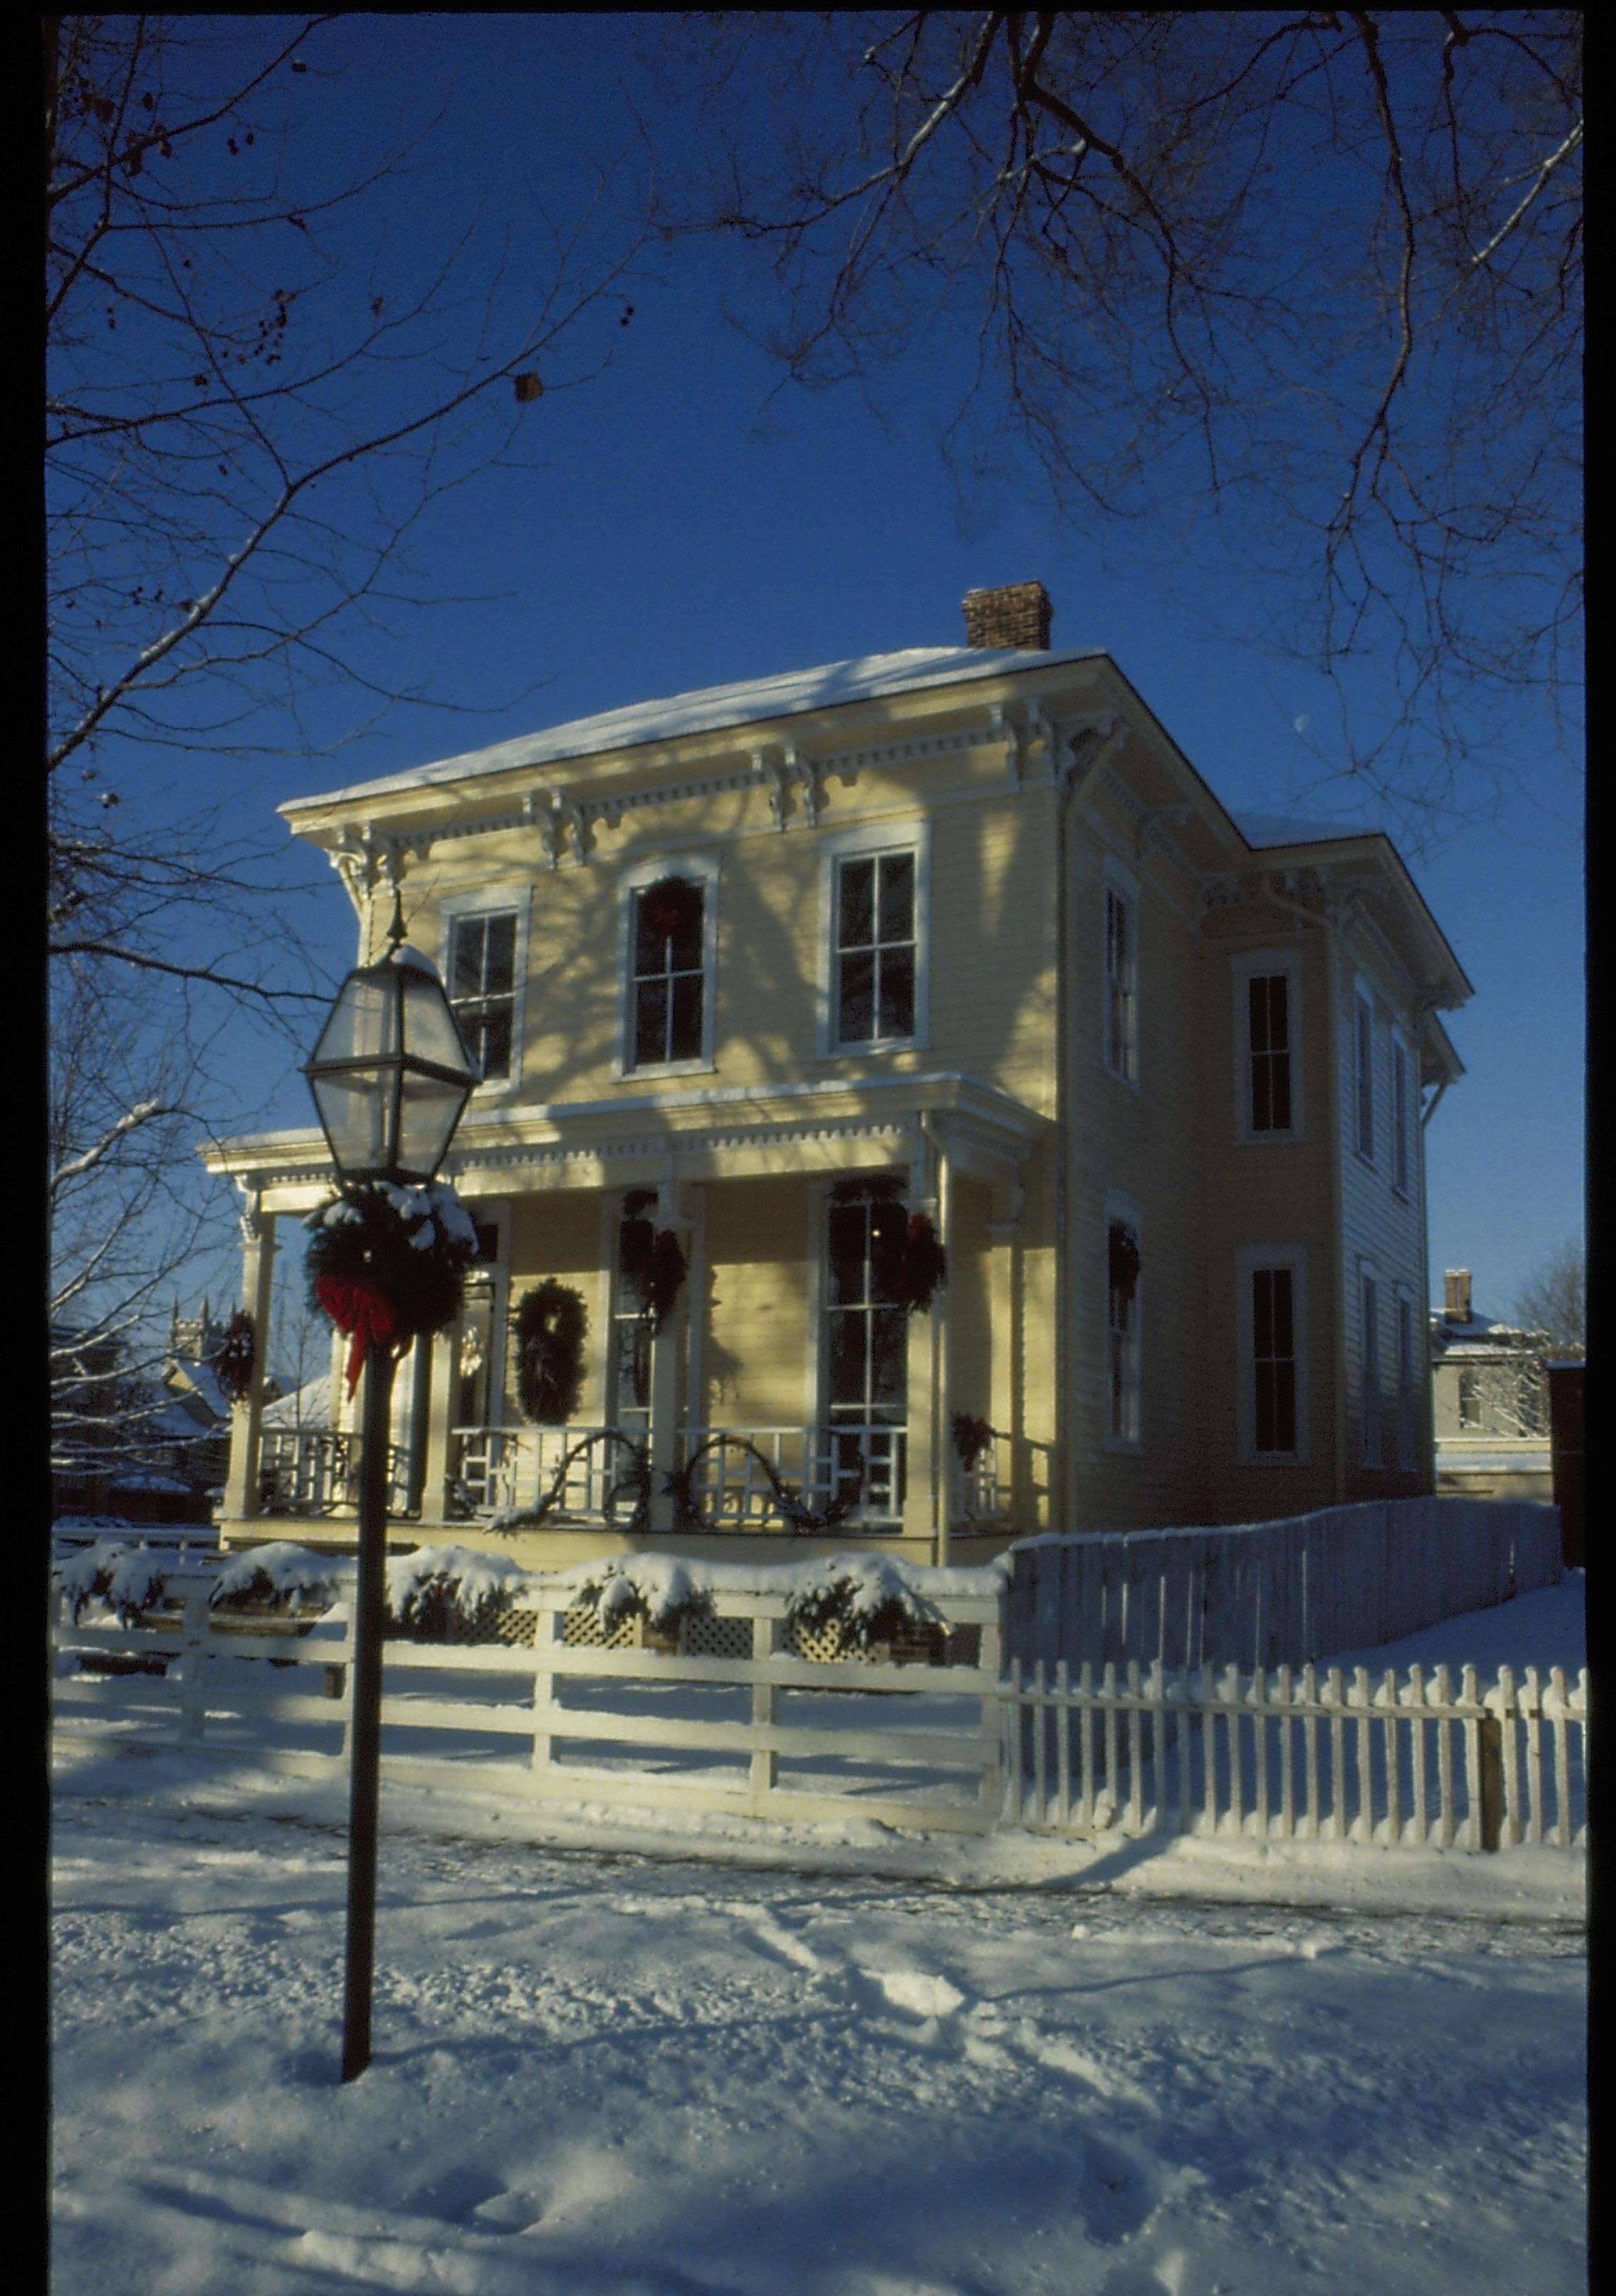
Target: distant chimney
{"type": "Point", "coordinates": [1455, 1303]}
{"type": "Point", "coordinates": [1018, 615]}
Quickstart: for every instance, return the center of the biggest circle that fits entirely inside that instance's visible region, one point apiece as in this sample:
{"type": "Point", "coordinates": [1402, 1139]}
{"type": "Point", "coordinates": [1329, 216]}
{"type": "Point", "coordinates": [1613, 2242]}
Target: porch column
{"type": "Point", "coordinates": [415, 1434]}
{"type": "Point", "coordinates": [666, 1351]}
{"type": "Point", "coordinates": [1005, 1352]}
{"type": "Point", "coordinates": [925, 1505]}
{"type": "Point", "coordinates": [247, 1418]}
{"type": "Point", "coordinates": [439, 1423]}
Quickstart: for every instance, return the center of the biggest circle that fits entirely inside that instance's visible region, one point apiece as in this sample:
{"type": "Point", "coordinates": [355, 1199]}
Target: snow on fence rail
{"type": "Point", "coordinates": [1407, 1761]}
{"type": "Point", "coordinates": [739, 1720]}
{"type": "Point", "coordinates": [582, 1714]}
{"type": "Point", "coordinates": [1254, 1594]}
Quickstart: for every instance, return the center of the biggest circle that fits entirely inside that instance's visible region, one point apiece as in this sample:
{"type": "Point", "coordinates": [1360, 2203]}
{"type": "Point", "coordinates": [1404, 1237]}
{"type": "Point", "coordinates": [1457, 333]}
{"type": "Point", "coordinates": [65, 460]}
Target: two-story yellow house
{"type": "Point", "coordinates": [953, 945]}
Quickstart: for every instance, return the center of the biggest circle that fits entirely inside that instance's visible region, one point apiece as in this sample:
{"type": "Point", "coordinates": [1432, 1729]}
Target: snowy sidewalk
{"type": "Point", "coordinates": [618, 2077]}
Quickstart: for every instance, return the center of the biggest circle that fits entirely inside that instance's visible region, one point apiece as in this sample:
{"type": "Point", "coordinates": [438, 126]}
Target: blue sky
{"type": "Point", "coordinates": [672, 530]}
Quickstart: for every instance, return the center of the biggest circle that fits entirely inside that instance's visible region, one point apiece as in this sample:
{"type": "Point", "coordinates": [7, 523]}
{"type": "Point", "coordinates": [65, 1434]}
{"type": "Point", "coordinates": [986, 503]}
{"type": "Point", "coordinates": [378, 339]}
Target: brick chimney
{"type": "Point", "coordinates": [1455, 1301]}
{"type": "Point", "coordinates": [1017, 615]}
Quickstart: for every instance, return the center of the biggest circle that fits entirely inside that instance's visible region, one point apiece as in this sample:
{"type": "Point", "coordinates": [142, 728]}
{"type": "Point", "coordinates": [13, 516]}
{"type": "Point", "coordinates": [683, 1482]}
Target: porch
{"type": "Point", "coordinates": [789, 1395]}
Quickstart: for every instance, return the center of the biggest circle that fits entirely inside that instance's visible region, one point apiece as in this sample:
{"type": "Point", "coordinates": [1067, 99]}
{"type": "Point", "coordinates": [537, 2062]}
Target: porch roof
{"type": "Point", "coordinates": [725, 1132]}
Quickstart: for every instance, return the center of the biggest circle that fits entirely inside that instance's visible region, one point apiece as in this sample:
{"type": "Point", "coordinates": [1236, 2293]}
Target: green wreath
{"type": "Point", "coordinates": [551, 1325]}
{"type": "Point", "coordinates": [388, 1264]}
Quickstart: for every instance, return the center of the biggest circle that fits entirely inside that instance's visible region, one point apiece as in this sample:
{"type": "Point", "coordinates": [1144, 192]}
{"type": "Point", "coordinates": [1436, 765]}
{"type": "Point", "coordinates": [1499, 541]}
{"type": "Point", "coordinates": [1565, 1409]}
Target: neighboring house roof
{"type": "Point", "coordinates": [712, 707]}
{"type": "Point", "coordinates": [1481, 1337]}
{"type": "Point", "coordinates": [308, 1406]}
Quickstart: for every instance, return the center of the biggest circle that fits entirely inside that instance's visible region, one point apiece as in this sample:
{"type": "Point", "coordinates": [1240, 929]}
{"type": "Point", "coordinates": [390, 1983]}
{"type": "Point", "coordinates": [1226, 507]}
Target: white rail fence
{"type": "Point", "coordinates": [746, 1722]}
{"type": "Point", "coordinates": [747, 1716]}
{"type": "Point", "coordinates": [1262, 1595]}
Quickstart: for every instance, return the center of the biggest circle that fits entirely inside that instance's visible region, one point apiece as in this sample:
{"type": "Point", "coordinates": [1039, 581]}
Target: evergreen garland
{"type": "Point", "coordinates": [388, 1264]}
{"type": "Point", "coordinates": [1123, 1260]}
{"type": "Point", "coordinates": [551, 1325]}
{"type": "Point", "coordinates": [237, 1353]}
{"type": "Point", "coordinates": [972, 1438]}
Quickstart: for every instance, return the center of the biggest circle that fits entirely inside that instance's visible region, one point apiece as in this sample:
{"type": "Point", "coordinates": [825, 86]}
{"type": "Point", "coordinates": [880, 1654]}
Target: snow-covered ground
{"type": "Point", "coordinates": [620, 2074]}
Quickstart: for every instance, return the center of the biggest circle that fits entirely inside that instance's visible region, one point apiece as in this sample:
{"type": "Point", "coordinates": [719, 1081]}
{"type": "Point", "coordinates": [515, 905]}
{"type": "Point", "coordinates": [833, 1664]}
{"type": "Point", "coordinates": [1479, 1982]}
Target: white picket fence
{"type": "Point", "coordinates": [749, 1716]}
{"type": "Point", "coordinates": [1342, 1579]}
{"type": "Point", "coordinates": [1398, 1762]}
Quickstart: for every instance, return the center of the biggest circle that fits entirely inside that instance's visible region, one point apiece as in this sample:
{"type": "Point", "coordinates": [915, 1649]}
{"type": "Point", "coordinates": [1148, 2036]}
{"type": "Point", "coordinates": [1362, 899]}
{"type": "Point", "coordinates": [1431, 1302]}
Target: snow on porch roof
{"type": "Point", "coordinates": [868, 677]}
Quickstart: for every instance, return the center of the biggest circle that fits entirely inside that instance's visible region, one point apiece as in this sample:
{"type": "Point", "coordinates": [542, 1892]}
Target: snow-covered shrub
{"type": "Point", "coordinates": [277, 1576]}
{"type": "Point", "coordinates": [128, 1580]}
{"type": "Point", "coordinates": [655, 1587]}
{"type": "Point", "coordinates": [427, 1589]}
{"type": "Point", "coordinates": [865, 1595]}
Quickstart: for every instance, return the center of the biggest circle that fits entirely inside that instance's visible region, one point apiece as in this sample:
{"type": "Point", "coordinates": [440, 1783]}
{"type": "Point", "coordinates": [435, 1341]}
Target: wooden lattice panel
{"type": "Point", "coordinates": [582, 1628]}
{"type": "Point", "coordinates": [801, 1640]}
{"type": "Point", "coordinates": [706, 1636]}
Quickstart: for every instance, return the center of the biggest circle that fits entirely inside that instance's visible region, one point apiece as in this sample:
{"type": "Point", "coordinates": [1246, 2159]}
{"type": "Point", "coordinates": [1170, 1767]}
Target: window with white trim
{"type": "Point", "coordinates": [1408, 1390]}
{"type": "Point", "coordinates": [1401, 1161]}
{"type": "Point", "coordinates": [1122, 982]}
{"type": "Point", "coordinates": [667, 947]}
{"type": "Point", "coordinates": [1266, 985]}
{"type": "Point", "coordinates": [874, 972]}
{"type": "Point", "coordinates": [1123, 1352]}
{"type": "Point", "coordinates": [1271, 1334]}
{"type": "Point", "coordinates": [665, 991]}
{"type": "Point", "coordinates": [1369, 1364]}
{"type": "Point", "coordinates": [484, 953]}
{"type": "Point", "coordinates": [1362, 1040]}
{"type": "Point", "coordinates": [866, 1339]}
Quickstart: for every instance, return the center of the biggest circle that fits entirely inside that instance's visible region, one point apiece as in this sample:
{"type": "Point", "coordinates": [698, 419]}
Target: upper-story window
{"type": "Point", "coordinates": [1122, 982]}
{"type": "Point", "coordinates": [1401, 1158]}
{"type": "Point", "coordinates": [1268, 1017]}
{"type": "Point", "coordinates": [482, 986]}
{"type": "Point", "coordinates": [1363, 1043]}
{"type": "Point", "coordinates": [669, 984]}
{"type": "Point", "coordinates": [875, 948]}
{"type": "Point", "coordinates": [1267, 1044]}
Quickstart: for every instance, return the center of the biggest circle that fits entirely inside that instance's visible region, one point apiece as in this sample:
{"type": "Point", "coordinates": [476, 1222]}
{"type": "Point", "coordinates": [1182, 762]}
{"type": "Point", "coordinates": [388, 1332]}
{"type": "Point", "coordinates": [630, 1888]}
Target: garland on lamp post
{"type": "Point", "coordinates": [387, 1264]}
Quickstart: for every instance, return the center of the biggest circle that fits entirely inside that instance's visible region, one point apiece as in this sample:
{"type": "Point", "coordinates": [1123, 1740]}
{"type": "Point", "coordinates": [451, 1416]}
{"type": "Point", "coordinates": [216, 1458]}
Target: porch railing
{"type": "Point", "coordinates": [311, 1471]}
{"type": "Point", "coordinates": [504, 1470]}
{"type": "Point", "coordinates": [732, 1481]}
{"type": "Point", "coordinates": [734, 1489]}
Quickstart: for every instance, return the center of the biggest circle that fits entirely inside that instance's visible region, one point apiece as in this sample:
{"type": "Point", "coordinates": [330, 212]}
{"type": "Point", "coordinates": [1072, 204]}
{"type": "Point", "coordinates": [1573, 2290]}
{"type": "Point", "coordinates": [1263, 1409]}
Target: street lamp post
{"type": "Point", "coordinates": [389, 1077]}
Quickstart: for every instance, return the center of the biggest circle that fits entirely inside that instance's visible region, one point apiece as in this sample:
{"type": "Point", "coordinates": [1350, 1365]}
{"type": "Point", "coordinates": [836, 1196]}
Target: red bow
{"type": "Point", "coordinates": [358, 1304]}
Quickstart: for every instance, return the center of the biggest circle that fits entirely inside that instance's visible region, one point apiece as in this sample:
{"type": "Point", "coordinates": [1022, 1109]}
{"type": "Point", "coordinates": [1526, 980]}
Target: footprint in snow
{"type": "Point", "coordinates": [921, 1993]}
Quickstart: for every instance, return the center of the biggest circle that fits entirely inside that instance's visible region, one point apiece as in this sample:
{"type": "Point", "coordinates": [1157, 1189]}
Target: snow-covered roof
{"type": "Point", "coordinates": [712, 708]}
{"type": "Point", "coordinates": [1262, 829]}
{"type": "Point", "coordinates": [308, 1406]}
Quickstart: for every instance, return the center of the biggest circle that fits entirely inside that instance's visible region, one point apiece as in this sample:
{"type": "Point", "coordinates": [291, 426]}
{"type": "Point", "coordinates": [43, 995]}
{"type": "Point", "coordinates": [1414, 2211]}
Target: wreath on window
{"type": "Point", "coordinates": [1124, 1253]}
{"type": "Point", "coordinates": [551, 1324]}
{"type": "Point", "coordinates": [671, 908]}
{"type": "Point", "coordinates": [649, 1259]}
{"type": "Point", "coordinates": [388, 1264]}
{"type": "Point", "coordinates": [237, 1354]}
{"type": "Point", "coordinates": [907, 1261]}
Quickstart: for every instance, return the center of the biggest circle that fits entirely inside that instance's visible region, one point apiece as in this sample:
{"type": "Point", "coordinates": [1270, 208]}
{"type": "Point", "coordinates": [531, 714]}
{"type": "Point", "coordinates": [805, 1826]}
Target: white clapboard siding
{"type": "Point", "coordinates": [1276, 1756]}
